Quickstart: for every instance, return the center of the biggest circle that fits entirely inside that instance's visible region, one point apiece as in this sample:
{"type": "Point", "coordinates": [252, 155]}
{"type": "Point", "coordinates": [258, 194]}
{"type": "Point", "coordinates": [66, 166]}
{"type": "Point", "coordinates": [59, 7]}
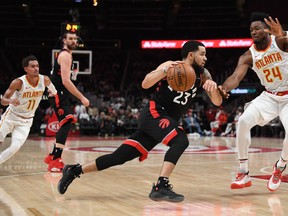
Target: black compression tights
{"type": "Point", "coordinates": [177, 146]}
{"type": "Point", "coordinates": [63, 132]}
{"type": "Point", "coordinates": [121, 155]}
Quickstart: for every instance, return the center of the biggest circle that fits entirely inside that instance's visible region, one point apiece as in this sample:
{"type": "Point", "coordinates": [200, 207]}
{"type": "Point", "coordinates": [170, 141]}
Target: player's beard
{"type": "Point", "coordinates": [71, 46]}
{"type": "Point", "coordinates": [198, 69]}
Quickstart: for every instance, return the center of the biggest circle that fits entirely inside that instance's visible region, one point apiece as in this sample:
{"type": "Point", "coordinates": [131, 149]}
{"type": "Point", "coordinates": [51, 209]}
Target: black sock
{"type": "Point", "coordinates": [78, 170]}
{"type": "Point", "coordinates": [57, 153]}
{"type": "Point", "coordinates": [53, 150]}
{"type": "Point", "coordinates": [162, 181]}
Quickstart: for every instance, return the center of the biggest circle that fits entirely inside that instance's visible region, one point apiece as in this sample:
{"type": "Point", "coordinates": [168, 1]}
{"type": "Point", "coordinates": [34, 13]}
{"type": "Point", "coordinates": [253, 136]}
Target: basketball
{"type": "Point", "coordinates": [181, 77]}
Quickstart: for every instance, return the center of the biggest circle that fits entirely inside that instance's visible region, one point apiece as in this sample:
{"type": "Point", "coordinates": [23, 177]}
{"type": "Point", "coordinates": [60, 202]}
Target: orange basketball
{"type": "Point", "coordinates": [181, 77]}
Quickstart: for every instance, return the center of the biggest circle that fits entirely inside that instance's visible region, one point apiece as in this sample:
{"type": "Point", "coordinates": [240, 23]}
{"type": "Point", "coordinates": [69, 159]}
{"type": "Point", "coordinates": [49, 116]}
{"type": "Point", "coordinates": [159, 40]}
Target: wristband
{"type": "Point", "coordinates": [52, 88]}
{"type": "Point", "coordinates": [165, 69]}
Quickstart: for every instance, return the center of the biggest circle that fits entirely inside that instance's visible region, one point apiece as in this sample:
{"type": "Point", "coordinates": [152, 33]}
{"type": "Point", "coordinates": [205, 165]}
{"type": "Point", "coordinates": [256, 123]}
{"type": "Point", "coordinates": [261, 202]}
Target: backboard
{"type": "Point", "coordinates": [82, 60]}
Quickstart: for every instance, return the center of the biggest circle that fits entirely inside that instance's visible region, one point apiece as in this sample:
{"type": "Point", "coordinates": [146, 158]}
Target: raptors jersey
{"type": "Point", "coordinates": [56, 74]}
{"type": "Point", "coordinates": [270, 66]}
{"type": "Point", "coordinates": [29, 97]}
{"type": "Point", "coordinates": [176, 103]}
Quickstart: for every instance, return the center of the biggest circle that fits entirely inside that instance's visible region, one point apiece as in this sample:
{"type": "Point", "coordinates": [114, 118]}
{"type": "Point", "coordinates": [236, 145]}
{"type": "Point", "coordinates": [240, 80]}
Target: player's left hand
{"type": "Point", "coordinates": [276, 28]}
{"type": "Point", "coordinates": [15, 102]}
{"type": "Point", "coordinates": [223, 93]}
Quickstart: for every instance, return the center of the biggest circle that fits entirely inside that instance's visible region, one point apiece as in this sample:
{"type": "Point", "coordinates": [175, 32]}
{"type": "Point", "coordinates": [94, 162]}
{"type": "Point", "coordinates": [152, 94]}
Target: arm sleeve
{"type": "Point", "coordinates": [52, 88]}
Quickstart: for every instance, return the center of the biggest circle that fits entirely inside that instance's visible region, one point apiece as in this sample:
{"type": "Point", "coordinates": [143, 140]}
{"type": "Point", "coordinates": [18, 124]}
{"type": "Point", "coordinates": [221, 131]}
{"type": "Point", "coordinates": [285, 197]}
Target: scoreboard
{"type": "Point", "coordinates": [70, 27]}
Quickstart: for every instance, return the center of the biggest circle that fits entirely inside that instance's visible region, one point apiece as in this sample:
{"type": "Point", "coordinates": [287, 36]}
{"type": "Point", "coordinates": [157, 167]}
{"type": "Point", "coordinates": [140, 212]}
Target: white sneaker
{"type": "Point", "coordinates": [242, 180]}
{"type": "Point", "coordinates": [208, 133]}
{"type": "Point", "coordinates": [274, 182]}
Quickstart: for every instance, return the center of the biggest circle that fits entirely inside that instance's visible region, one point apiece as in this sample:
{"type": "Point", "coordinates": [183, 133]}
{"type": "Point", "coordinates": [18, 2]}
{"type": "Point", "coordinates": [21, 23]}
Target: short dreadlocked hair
{"type": "Point", "coordinates": [259, 16]}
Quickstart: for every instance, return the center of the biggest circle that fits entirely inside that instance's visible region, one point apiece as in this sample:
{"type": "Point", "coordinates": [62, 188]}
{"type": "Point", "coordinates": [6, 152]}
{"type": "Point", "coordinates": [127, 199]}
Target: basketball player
{"type": "Point", "coordinates": [268, 57]}
{"type": "Point", "coordinates": [158, 123]}
{"type": "Point", "coordinates": [61, 77]}
{"type": "Point", "coordinates": [22, 98]}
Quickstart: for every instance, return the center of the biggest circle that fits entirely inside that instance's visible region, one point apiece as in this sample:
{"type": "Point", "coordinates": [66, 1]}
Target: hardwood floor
{"type": "Point", "coordinates": [203, 175]}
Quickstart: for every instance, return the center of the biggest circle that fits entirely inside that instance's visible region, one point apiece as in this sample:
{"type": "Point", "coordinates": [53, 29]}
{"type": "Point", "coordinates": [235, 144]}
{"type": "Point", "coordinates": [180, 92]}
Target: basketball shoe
{"type": "Point", "coordinates": [56, 165]}
{"type": "Point", "coordinates": [275, 180]}
{"type": "Point", "coordinates": [165, 193]}
{"type": "Point", "coordinates": [242, 180]}
{"type": "Point", "coordinates": [70, 172]}
{"type": "Point", "coordinates": [48, 159]}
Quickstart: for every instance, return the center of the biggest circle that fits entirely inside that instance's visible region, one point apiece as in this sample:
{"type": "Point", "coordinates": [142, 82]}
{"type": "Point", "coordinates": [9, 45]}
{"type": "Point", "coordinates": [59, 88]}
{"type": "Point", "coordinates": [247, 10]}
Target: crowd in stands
{"type": "Point", "coordinates": [114, 90]}
{"type": "Point", "coordinates": [117, 119]}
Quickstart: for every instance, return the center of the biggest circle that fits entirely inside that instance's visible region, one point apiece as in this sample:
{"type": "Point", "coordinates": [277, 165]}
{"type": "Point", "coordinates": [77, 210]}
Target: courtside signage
{"type": "Point", "coordinates": [177, 44]}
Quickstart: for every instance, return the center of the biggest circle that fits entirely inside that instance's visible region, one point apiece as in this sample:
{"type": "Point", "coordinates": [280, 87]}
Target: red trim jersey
{"type": "Point", "coordinates": [176, 103]}
{"type": "Point", "coordinates": [270, 66]}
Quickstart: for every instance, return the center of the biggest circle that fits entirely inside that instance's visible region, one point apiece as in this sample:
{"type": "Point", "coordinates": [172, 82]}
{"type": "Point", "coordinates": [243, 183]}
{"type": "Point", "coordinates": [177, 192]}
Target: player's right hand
{"type": "Point", "coordinates": [85, 101]}
{"type": "Point", "coordinates": [15, 102]}
{"type": "Point", "coordinates": [275, 26]}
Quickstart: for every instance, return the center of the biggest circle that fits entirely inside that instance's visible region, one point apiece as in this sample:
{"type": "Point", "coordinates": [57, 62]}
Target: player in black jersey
{"type": "Point", "coordinates": [61, 76]}
{"type": "Point", "coordinates": [158, 123]}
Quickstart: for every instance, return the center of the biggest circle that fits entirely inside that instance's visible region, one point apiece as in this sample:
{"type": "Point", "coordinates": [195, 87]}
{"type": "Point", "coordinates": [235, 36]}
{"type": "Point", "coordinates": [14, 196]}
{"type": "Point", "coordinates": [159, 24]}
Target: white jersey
{"type": "Point", "coordinates": [29, 97]}
{"type": "Point", "coordinates": [270, 66]}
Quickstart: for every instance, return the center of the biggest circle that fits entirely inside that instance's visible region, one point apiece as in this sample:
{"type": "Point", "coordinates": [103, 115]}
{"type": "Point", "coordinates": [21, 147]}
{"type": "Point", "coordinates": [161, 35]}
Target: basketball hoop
{"type": "Point", "coordinates": [74, 74]}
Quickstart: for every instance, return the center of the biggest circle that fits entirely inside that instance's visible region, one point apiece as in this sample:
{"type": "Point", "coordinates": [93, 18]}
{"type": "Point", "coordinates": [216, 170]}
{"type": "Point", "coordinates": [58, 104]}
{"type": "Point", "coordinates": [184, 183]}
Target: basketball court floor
{"type": "Point", "coordinates": [203, 175]}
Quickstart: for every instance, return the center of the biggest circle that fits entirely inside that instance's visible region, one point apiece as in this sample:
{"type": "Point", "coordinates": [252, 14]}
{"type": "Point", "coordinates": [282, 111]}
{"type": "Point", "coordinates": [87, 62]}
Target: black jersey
{"type": "Point", "coordinates": [176, 103]}
{"type": "Point", "coordinates": [56, 75]}
{"type": "Point", "coordinates": [63, 95]}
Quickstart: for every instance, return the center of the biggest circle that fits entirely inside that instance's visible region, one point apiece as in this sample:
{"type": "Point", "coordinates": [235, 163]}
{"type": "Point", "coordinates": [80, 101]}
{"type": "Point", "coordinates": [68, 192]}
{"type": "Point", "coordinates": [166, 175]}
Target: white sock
{"type": "Point", "coordinates": [281, 162]}
{"type": "Point", "coordinates": [243, 165]}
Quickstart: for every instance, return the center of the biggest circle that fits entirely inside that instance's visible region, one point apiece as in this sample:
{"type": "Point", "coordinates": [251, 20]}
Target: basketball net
{"type": "Point", "coordinates": [74, 74]}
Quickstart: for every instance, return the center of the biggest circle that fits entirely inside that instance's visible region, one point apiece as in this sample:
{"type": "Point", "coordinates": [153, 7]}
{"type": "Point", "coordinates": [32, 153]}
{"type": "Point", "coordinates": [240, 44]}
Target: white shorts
{"type": "Point", "coordinates": [270, 106]}
{"type": "Point", "coordinates": [15, 124]}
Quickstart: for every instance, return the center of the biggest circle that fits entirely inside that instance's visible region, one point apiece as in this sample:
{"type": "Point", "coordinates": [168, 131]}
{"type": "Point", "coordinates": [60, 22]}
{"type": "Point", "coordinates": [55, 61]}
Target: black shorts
{"type": "Point", "coordinates": [62, 108]}
{"type": "Point", "coordinates": [155, 126]}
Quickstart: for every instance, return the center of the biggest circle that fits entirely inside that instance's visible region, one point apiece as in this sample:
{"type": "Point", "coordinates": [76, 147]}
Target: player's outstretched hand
{"type": "Point", "coordinates": [223, 93]}
{"type": "Point", "coordinates": [276, 28]}
{"type": "Point", "coordinates": [85, 101]}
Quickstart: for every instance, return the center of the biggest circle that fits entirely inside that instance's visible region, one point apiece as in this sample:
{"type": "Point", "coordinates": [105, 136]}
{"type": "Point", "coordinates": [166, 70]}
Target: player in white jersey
{"type": "Point", "coordinates": [268, 57]}
{"type": "Point", "coordinates": [22, 98]}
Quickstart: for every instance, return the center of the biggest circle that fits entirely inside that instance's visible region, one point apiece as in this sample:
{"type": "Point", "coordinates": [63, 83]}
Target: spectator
{"type": "Point", "coordinates": [191, 123]}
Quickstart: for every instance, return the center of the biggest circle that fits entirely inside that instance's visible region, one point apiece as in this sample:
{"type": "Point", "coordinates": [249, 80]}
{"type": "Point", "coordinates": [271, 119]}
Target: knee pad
{"type": "Point", "coordinates": [181, 140]}
{"type": "Point", "coordinates": [121, 155]}
{"type": "Point", "coordinates": [63, 132]}
{"type": "Point", "coordinates": [177, 146]}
